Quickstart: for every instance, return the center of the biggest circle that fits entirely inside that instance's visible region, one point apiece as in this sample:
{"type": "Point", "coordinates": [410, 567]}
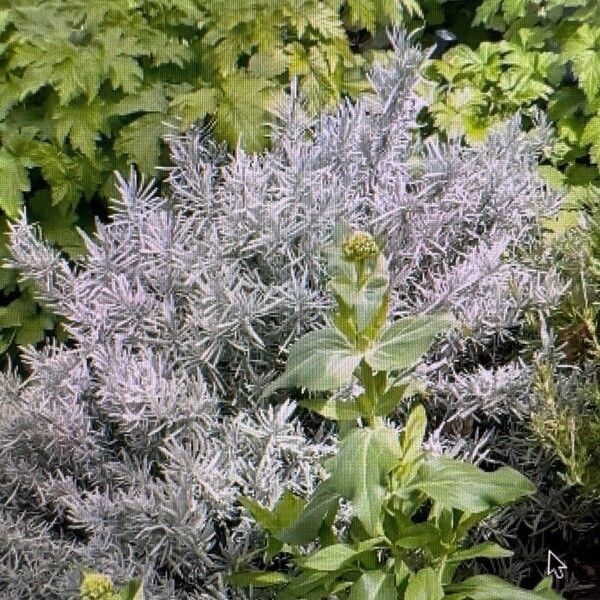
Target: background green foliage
{"type": "Point", "coordinates": [542, 52]}
{"type": "Point", "coordinates": [88, 87]}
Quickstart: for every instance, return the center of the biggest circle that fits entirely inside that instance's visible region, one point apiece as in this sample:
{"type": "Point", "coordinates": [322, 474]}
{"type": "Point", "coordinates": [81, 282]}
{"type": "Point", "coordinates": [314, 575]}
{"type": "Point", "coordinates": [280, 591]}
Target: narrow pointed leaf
{"type": "Point", "coordinates": [303, 584]}
{"type": "Point", "coordinates": [306, 527]}
{"type": "Point", "coordinates": [414, 433]}
{"type": "Point", "coordinates": [395, 395]}
{"type": "Point", "coordinates": [133, 590]}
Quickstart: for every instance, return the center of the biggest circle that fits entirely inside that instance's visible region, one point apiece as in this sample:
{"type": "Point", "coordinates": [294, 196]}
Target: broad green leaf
{"type": "Point", "coordinates": [413, 434]}
{"type": "Point", "coordinates": [565, 102]}
{"type": "Point", "coordinates": [76, 74]}
{"type": "Point", "coordinates": [484, 550]}
{"type": "Point", "coordinates": [449, 572]}
{"type": "Point", "coordinates": [14, 313]}
{"type": "Point", "coordinates": [591, 135]}
{"type": "Point", "coordinates": [401, 572]}
{"type": "Point", "coordinates": [374, 585]}
{"type": "Point", "coordinates": [334, 557]}
{"type": "Point", "coordinates": [514, 9]}
{"type": "Point", "coordinates": [364, 459]}
{"type": "Point", "coordinates": [33, 328]}
{"type": "Point", "coordinates": [320, 360]}
{"type": "Point", "coordinates": [359, 474]}
{"type": "Point", "coordinates": [268, 63]}
{"type": "Point", "coordinates": [552, 176]}
{"type": "Point", "coordinates": [262, 516]}
{"type": "Point", "coordinates": [126, 73]}
{"type": "Point", "coordinates": [336, 410]}
{"type": "Point", "coordinates": [306, 527]}
{"type": "Point", "coordinates": [151, 98]}
{"type": "Point", "coordinates": [411, 442]}
{"type": "Point", "coordinates": [456, 484]}
{"type": "Point", "coordinates": [586, 65]}
{"type": "Point", "coordinates": [366, 301]}
{"type": "Point", "coordinates": [424, 585]}
{"type": "Point", "coordinates": [257, 579]}
{"type": "Point", "coordinates": [488, 587]}
{"type": "Point", "coordinates": [404, 342]}
{"type": "Point", "coordinates": [396, 394]}
{"type": "Point", "coordinates": [467, 521]}
{"type": "Point", "coordinates": [485, 10]}
{"type": "Point", "coordinates": [288, 508]}
{"type": "Point", "coordinates": [58, 225]}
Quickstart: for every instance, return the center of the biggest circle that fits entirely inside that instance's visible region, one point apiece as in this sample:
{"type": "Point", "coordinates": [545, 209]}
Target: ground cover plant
{"type": "Point", "coordinates": [89, 87]}
{"type": "Point", "coordinates": [410, 511]}
{"type": "Point", "coordinates": [126, 449]}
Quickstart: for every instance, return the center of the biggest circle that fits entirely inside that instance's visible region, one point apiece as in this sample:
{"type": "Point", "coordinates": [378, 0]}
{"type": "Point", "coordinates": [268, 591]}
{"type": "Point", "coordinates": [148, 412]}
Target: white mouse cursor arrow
{"type": "Point", "coordinates": [555, 566]}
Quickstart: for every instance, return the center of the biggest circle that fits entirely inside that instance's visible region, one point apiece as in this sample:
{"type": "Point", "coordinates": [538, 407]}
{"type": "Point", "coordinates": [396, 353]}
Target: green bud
{"type": "Point", "coordinates": [96, 586]}
{"type": "Point", "coordinates": [360, 246]}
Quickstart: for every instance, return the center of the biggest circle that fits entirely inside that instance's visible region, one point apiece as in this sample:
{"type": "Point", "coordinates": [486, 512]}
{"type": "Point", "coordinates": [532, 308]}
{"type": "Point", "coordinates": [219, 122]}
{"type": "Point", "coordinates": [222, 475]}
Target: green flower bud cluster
{"type": "Point", "coordinates": [360, 246]}
{"type": "Point", "coordinates": [96, 586]}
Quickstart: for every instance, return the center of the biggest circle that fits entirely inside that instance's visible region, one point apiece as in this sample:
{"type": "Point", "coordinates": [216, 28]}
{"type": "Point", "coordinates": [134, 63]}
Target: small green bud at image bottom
{"type": "Point", "coordinates": [96, 586]}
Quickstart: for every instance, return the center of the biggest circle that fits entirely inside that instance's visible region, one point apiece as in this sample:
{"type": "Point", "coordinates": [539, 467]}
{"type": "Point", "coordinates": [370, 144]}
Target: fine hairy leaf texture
{"type": "Point", "coordinates": [126, 450]}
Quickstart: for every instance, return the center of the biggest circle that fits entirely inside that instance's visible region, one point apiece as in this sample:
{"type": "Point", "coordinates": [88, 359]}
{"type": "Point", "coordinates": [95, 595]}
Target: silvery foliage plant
{"type": "Point", "coordinates": [126, 449]}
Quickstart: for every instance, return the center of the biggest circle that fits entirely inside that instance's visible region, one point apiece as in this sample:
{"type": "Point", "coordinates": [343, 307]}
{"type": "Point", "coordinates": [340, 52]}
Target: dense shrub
{"type": "Point", "coordinates": [125, 450]}
{"type": "Point", "coordinates": [92, 86]}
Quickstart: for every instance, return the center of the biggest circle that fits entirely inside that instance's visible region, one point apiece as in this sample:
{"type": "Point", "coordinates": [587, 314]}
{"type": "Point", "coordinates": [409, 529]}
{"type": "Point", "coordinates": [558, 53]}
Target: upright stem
{"type": "Point", "coordinates": [371, 396]}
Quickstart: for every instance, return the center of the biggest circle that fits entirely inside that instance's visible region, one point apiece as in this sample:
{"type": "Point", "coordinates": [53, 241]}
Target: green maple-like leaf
{"type": "Point", "coordinates": [586, 65]}
{"type": "Point", "coordinates": [14, 180]}
{"type": "Point", "coordinates": [126, 73]}
{"type": "Point", "coordinates": [140, 140]}
{"type": "Point", "coordinates": [242, 111]}
{"type": "Point", "coordinates": [194, 106]}
{"type": "Point", "coordinates": [82, 123]}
